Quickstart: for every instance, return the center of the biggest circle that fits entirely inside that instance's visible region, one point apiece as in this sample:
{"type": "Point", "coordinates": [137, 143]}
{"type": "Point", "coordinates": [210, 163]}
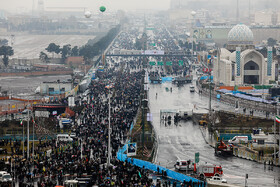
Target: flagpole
{"type": "Point", "coordinates": [275, 141]}
{"type": "Point", "coordinates": [23, 140]}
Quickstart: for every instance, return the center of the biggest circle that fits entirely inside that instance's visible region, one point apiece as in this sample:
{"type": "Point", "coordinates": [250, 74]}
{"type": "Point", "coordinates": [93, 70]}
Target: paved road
{"type": "Point", "coordinates": [184, 140]}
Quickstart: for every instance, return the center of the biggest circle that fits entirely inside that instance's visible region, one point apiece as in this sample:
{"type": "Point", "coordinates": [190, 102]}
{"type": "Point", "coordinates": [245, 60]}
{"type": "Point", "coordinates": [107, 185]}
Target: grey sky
{"type": "Point", "coordinates": [26, 5]}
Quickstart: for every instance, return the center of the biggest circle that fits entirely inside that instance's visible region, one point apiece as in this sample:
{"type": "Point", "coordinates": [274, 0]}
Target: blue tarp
{"type": "Point", "coordinates": [206, 77]}
{"type": "Point", "coordinates": [66, 121]}
{"type": "Point", "coordinates": [251, 98]}
{"type": "Point", "coordinates": [244, 95]}
{"type": "Point", "coordinates": [166, 79]}
{"type": "Point", "coordinates": [153, 167]}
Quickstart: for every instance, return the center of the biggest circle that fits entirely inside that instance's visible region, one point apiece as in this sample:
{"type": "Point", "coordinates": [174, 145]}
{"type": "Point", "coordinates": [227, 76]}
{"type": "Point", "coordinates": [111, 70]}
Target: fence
{"type": "Point", "coordinates": [153, 167]}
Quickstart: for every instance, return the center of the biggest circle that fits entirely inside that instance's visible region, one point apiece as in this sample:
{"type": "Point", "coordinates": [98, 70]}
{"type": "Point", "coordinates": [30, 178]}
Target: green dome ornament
{"type": "Point", "coordinates": [102, 9]}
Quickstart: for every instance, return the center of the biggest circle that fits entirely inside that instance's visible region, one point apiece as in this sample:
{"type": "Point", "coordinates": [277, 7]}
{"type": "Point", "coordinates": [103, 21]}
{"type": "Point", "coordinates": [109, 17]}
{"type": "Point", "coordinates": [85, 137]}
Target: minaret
{"type": "Point", "coordinates": [237, 12]}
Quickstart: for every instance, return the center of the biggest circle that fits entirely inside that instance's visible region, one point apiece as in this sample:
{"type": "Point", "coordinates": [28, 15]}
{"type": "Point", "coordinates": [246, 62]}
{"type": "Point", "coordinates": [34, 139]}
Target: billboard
{"type": "Point", "coordinates": [152, 52]}
{"type": "Point", "coordinates": [131, 149]}
{"type": "Point", "coordinates": [202, 33]}
{"type": "Point", "coordinates": [71, 101]}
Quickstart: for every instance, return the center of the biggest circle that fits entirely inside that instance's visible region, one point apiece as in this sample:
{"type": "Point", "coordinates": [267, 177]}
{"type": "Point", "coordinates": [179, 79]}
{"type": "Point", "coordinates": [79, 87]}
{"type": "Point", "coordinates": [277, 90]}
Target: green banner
{"type": "Point", "coordinates": [152, 44]}
{"type": "Point", "coordinates": [169, 63]}
{"type": "Point", "coordinates": [181, 62]}
{"type": "Point", "coordinates": [196, 157]}
{"type": "Point", "coordinates": [152, 63]}
{"type": "Point", "coordinates": [160, 63]}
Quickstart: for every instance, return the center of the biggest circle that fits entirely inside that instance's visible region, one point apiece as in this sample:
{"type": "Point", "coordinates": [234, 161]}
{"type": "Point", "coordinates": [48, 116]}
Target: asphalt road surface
{"type": "Point", "coordinates": [184, 140]}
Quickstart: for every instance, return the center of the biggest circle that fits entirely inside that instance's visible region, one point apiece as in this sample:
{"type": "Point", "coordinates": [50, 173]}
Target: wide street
{"type": "Point", "coordinates": [184, 140]}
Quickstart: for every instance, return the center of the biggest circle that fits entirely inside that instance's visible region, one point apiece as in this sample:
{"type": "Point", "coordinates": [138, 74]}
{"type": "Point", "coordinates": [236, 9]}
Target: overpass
{"type": "Point", "coordinates": [149, 55]}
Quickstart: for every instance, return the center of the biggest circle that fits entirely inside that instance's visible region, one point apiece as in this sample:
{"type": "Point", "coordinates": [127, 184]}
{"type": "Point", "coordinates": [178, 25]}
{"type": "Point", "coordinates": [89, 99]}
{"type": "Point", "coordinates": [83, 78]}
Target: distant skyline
{"type": "Point", "coordinates": [15, 6]}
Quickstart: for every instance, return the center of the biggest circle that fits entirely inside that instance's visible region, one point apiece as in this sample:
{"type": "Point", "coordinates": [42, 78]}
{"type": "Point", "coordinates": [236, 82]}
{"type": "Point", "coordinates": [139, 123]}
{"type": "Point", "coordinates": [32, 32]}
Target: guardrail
{"type": "Point", "coordinates": [153, 167]}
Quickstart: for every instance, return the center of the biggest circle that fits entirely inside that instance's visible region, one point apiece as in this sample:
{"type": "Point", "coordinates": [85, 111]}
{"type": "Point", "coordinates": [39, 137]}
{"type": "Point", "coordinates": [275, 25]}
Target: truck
{"type": "Point", "coordinates": [238, 139]}
{"type": "Point", "coordinates": [222, 149]}
{"type": "Point", "coordinates": [209, 170]}
{"type": "Point", "coordinates": [183, 165]}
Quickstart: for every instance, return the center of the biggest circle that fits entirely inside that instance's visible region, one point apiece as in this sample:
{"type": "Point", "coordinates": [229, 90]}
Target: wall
{"type": "Point", "coordinates": [37, 73]}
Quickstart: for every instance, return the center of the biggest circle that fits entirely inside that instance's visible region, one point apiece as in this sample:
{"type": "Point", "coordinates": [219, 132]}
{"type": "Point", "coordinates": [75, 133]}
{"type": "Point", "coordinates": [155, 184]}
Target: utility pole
{"type": "Point", "coordinates": [275, 139]}
{"type": "Point", "coordinates": [28, 134]}
{"type": "Point", "coordinates": [23, 140]}
{"type": "Point", "coordinates": [109, 134]}
{"type": "Point", "coordinates": [143, 111]}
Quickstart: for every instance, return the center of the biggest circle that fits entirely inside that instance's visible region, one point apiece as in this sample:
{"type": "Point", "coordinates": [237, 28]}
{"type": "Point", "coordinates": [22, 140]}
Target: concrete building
{"type": "Point", "coordinates": [57, 87]}
{"type": "Point", "coordinates": [240, 64]}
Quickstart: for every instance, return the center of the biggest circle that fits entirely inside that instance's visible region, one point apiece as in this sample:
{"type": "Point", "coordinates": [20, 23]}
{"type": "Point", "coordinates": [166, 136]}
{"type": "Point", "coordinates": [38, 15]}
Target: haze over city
{"type": "Point", "coordinates": [166, 93]}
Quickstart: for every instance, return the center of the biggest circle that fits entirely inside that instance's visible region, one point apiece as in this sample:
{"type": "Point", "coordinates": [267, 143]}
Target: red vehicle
{"type": "Point", "coordinates": [209, 170]}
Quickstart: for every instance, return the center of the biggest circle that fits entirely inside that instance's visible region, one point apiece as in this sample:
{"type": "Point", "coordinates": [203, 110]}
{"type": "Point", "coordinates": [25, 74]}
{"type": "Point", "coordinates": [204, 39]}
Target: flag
{"type": "Point", "coordinates": [277, 119]}
{"type": "Point", "coordinates": [21, 122]}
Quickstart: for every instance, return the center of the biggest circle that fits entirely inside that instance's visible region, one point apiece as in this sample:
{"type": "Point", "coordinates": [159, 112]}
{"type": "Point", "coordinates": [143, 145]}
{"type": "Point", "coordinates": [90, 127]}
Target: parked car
{"type": "Point", "coordinates": [238, 139]}
{"type": "Point", "coordinates": [25, 111]}
{"type": "Point", "coordinates": [5, 177]}
{"type": "Point", "coordinates": [217, 179]}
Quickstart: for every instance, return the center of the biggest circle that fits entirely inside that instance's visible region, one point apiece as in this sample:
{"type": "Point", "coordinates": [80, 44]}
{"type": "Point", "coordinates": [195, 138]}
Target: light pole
{"type": "Point", "coordinates": [109, 133]}
{"type": "Point", "coordinates": [275, 139]}
{"type": "Point", "coordinates": [193, 13]}
{"type": "Point", "coordinates": [28, 134]}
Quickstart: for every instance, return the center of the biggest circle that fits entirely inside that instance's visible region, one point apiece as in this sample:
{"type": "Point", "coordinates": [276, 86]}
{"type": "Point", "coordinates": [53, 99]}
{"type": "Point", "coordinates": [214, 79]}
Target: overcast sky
{"type": "Point", "coordinates": [26, 5]}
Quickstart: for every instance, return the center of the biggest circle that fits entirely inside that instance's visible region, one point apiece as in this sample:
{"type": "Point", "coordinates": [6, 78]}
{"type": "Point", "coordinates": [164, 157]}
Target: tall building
{"type": "Point", "coordinates": [40, 6]}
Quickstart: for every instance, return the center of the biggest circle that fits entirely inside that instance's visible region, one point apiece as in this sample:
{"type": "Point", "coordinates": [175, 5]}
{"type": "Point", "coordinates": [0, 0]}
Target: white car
{"type": "Point", "coordinates": [5, 177]}
{"type": "Point", "coordinates": [218, 179]}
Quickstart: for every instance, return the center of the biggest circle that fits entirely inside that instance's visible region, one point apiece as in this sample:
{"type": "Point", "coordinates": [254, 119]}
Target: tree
{"type": "Point", "coordinates": [6, 51]}
{"type": "Point", "coordinates": [3, 42]}
{"type": "Point", "coordinates": [44, 57]}
{"type": "Point", "coordinates": [271, 42]}
{"type": "Point", "coordinates": [65, 51]}
{"type": "Point", "coordinates": [53, 48]}
{"type": "Point", "coordinates": [88, 52]}
{"type": "Point", "coordinates": [75, 51]}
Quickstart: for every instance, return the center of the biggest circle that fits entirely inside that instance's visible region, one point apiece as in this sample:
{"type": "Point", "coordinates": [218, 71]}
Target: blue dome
{"type": "Point", "coordinates": [240, 34]}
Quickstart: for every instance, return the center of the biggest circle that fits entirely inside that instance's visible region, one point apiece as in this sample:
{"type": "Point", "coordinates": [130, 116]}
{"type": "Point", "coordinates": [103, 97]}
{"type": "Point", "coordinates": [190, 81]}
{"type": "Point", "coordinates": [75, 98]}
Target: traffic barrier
{"type": "Point", "coordinates": [153, 167]}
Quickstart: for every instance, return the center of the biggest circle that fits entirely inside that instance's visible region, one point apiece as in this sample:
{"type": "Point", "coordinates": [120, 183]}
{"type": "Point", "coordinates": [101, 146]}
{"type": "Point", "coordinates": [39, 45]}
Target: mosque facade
{"type": "Point", "coordinates": [240, 64]}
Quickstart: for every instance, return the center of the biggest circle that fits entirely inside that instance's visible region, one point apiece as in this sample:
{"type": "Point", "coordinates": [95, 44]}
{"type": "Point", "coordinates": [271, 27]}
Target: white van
{"type": "Point", "coordinates": [64, 138]}
{"type": "Point", "coordinates": [238, 139]}
{"type": "Point", "coordinates": [192, 88]}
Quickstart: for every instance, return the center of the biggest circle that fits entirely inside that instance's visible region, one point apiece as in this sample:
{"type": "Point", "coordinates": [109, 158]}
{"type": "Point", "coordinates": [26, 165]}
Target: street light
{"type": "Point", "coordinates": [193, 13]}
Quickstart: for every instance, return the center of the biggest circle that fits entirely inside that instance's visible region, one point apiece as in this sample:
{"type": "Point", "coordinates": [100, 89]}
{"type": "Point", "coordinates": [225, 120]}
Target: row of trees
{"type": "Point", "coordinates": [88, 51]}
{"type": "Point", "coordinates": [65, 51]}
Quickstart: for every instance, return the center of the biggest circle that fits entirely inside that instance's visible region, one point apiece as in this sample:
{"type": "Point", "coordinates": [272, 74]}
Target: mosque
{"type": "Point", "coordinates": [240, 64]}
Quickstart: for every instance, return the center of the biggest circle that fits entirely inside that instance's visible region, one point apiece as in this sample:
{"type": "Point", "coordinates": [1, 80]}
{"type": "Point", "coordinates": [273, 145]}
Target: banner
{"type": "Point", "coordinates": [131, 149]}
{"type": "Point", "coordinates": [44, 114]}
{"type": "Point", "coordinates": [153, 52]}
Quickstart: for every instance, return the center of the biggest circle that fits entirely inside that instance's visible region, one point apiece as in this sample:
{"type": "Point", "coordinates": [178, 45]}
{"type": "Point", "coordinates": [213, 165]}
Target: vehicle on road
{"type": "Point", "coordinates": [192, 88]}
{"type": "Point", "coordinates": [209, 170]}
{"type": "Point", "coordinates": [238, 139]}
{"type": "Point", "coordinates": [5, 177]}
{"type": "Point", "coordinates": [25, 111]}
{"type": "Point", "coordinates": [222, 149]}
{"type": "Point", "coordinates": [183, 165]}
{"type": "Point", "coordinates": [217, 179]}
{"type": "Point", "coordinates": [64, 138]}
